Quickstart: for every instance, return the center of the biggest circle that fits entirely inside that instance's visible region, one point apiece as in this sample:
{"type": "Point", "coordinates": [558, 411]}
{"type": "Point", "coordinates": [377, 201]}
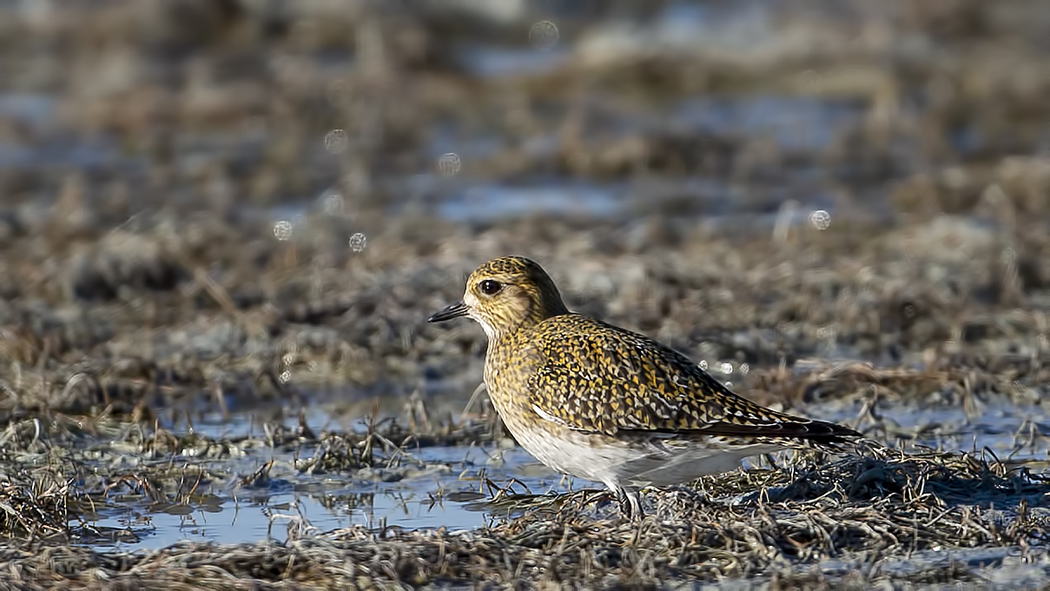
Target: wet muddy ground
{"type": "Point", "coordinates": [223, 225]}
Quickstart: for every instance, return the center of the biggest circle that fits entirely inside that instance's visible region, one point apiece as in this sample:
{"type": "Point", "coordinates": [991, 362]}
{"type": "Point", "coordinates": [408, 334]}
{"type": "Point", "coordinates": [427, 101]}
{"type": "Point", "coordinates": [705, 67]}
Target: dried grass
{"type": "Point", "coordinates": [884, 504]}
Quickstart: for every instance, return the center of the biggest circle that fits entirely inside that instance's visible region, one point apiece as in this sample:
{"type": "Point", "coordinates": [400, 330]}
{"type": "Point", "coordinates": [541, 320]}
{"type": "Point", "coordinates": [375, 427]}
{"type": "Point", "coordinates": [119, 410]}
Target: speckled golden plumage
{"type": "Point", "coordinates": [597, 401]}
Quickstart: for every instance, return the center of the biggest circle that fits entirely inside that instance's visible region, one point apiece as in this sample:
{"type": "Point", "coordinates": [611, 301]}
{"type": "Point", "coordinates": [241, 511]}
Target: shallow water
{"type": "Point", "coordinates": [444, 486]}
{"type": "Point", "coordinates": [795, 123]}
{"type": "Point", "coordinates": [492, 202]}
{"type": "Point", "coordinates": [440, 491]}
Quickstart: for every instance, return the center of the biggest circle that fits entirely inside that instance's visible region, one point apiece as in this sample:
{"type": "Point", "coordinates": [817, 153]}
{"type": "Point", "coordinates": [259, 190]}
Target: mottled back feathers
{"type": "Point", "coordinates": [592, 376]}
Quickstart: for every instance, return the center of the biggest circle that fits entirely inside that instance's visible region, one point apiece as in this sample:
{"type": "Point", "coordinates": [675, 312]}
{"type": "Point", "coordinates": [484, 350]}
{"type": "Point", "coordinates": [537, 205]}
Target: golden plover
{"type": "Point", "coordinates": [602, 403]}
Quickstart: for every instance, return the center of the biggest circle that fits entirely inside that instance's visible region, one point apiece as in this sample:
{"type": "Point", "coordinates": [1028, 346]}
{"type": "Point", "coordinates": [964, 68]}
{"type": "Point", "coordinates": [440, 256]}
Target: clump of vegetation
{"type": "Point", "coordinates": [35, 506]}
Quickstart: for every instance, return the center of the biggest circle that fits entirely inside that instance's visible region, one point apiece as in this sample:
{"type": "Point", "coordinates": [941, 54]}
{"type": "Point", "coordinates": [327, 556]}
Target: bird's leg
{"type": "Point", "coordinates": [634, 501]}
{"type": "Point", "coordinates": [630, 503]}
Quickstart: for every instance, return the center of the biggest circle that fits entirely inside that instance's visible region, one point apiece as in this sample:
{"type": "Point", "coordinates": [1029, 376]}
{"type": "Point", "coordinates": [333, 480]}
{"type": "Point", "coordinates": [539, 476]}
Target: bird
{"type": "Point", "coordinates": [599, 402]}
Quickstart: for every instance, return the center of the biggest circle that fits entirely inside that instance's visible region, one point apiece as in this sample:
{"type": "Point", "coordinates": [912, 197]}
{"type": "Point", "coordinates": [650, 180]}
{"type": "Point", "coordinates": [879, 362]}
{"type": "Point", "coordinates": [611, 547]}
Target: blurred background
{"type": "Point", "coordinates": [228, 211]}
{"type": "Point", "coordinates": [340, 165]}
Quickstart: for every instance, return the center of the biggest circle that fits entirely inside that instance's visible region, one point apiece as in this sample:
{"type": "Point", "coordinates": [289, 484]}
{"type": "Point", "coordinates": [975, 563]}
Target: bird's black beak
{"type": "Point", "coordinates": [456, 310]}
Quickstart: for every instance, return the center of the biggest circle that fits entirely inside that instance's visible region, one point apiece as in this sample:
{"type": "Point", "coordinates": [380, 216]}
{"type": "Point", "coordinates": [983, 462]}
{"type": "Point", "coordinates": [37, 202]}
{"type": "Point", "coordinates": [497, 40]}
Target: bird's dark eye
{"type": "Point", "coordinates": [490, 287]}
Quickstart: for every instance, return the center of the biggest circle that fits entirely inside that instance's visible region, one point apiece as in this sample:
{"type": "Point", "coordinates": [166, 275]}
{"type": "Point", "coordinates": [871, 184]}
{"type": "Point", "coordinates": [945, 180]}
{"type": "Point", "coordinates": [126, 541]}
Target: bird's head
{"type": "Point", "coordinates": [506, 294]}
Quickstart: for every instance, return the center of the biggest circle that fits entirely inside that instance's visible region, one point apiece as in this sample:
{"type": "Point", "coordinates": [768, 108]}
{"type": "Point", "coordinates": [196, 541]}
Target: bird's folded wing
{"type": "Point", "coordinates": [611, 380]}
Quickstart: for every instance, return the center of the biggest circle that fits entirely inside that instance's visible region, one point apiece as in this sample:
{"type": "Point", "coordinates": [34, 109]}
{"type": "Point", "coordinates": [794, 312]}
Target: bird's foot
{"type": "Point", "coordinates": [630, 504]}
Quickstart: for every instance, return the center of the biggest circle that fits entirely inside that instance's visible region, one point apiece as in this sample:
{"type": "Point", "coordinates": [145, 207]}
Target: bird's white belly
{"type": "Point", "coordinates": [618, 463]}
{"type": "Point", "coordinates": [575, 453]}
